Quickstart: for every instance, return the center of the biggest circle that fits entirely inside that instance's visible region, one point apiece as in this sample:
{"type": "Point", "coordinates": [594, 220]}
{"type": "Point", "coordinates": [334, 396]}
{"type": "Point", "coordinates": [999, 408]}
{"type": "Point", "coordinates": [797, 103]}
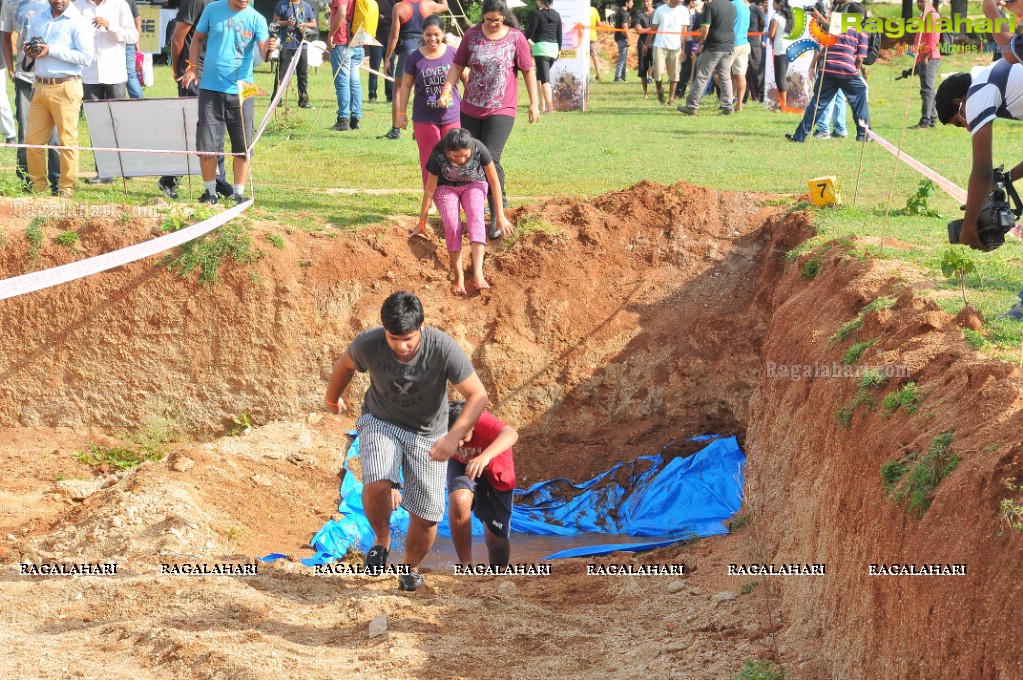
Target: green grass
{"type": "Point", "coordinates": [907, 398]}
{"type": "Point", "coordinates": [208, 253]}
{"type": "Point", "coordinates": [120, 457]}
{"type": "Point", "coordinates": [855, 352]}
{"type": "Point", "coordinates": [308, 177]}
{"type": "Point", "coordinates": [34, 236]}
{"type": "Point", "coordinates": [914, 479]}
{"type": "Point", "coordinates": [880, 303]}
{"type": "Point", "coordinates": [811, 268]}
{"type": "Point", "coordinates": [846, 330]}
{"type": "Point", "coordinates": [760, 669]}
{"type": "Point", "coordinates": [68, 239]}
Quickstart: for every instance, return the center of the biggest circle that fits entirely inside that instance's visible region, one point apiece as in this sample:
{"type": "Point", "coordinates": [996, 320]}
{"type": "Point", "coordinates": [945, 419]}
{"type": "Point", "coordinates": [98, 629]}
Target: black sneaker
{"type": "Point", "coordinates": [376, 560]}
{"type": "Point", "coordinates": [353, 124]}
{"type": "Point", "coordinates": [224, 189]}
{"type": "Point", "coordinates": [411, 581]}
{"type": "Point", "coordinates": [99, 180]}
{"type": "Point", "coordinates": [394, 133]}
{"type": "Point", "coordinates": [342, 125]}
{"type": "Point", "coordinates": [304, 104]}
{"type": "Point", "coordinates": [372, 100]}
{"type": "Point", "coordinates": [792, 139]}
{"type": "Point", "coordinates": [169, 188]}
{"type": "Point", "coordinates": [238, 198]}
{"type": "Point", "coordinates": [494, 232]}
{"type": "Point", "coordinates": [208, 198]}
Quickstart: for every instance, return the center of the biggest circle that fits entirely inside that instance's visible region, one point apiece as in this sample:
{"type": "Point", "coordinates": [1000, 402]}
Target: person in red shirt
{"type": "Point", "coordinates": [481, 480]}
{"type": "Point", "coordinates": [928, 64]}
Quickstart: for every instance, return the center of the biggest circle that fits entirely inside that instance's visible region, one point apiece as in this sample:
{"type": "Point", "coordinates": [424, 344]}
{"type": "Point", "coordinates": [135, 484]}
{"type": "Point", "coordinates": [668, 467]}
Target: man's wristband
{"type": "Point", "coordinates": [332, 404]}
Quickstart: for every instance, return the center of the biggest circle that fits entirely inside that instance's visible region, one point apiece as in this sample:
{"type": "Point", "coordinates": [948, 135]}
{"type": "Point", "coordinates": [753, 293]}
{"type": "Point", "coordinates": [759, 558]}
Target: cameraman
{"type": "Point", "coordinates": [996, 93]}
{"type": "Point", "coordinates": [234, 30]}
{"type": "Point", "coordinates": [295, 20]}
{"type": "Point", "coordinates": [61, 42]}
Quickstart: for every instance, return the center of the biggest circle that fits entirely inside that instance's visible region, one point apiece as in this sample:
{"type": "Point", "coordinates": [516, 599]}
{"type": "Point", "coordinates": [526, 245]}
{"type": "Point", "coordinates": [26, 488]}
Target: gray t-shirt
{"type": "Point", "coordinates": [413, 396]}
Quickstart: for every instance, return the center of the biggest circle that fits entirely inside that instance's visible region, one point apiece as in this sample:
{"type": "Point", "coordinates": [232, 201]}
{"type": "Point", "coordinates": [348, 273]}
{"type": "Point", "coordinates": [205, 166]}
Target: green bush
{"type": "Point", "coordinates": [760, 669]}
{"type": "Point", "coordinates": [915, 477]}
{"type": "Point", "coordinates": [852, 355]}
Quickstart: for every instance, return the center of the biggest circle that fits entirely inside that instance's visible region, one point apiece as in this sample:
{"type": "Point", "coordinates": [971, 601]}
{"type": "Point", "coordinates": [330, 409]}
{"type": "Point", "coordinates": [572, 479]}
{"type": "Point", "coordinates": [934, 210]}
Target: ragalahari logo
{"type": "Point", "coordinates": [818, 36]}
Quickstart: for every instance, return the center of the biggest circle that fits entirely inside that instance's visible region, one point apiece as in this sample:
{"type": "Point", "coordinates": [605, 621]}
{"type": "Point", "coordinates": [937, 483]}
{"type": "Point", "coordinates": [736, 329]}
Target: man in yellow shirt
{"type": "Point", "coordinates": [594, 22]}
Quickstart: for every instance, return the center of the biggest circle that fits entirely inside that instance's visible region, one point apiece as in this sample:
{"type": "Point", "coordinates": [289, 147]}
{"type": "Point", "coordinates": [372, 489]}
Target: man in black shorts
{"type": "Point", "coordinates": [234, 31]}
{"type": "Point", "coordinates": [644, 44]}
{"type": "Point", "coordinates": [404, 425]}
{"type": "Point", "coordinates": [481, 480]}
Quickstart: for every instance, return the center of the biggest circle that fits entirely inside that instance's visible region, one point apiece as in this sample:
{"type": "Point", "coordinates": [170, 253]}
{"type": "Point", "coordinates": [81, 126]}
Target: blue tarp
{"type": "Point", "coordinates": [666, 499]}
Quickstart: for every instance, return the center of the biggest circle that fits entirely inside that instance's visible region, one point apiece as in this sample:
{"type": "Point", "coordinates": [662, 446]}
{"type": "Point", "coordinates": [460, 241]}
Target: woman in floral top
{"type": "Point", "coordinates": [494, 52]}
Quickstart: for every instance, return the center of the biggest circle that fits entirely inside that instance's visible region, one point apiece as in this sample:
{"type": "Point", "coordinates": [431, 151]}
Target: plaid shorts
{"type": "Point", "coordinates": [386, 449]}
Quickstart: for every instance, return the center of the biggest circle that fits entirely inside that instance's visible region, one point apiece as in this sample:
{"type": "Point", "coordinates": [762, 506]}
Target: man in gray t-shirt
{"type": "Point", "coordinates": [404, 419]}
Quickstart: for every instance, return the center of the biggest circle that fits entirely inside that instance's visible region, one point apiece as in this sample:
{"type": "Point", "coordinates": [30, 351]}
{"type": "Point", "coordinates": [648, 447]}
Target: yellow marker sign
{"type": "Point", "coordinates": [567, 54]}
{"type": "Point", "coordinates": [824, 191]}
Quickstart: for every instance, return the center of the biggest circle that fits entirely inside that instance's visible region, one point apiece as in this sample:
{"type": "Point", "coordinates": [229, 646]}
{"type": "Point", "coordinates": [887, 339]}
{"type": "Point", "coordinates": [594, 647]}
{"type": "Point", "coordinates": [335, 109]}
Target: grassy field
{"type": "Point", "coordinates": [621, 140]}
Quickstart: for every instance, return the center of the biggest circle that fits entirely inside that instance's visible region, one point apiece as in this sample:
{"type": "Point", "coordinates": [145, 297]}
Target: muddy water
{"type": "Point", "coordinates": [524, 548]}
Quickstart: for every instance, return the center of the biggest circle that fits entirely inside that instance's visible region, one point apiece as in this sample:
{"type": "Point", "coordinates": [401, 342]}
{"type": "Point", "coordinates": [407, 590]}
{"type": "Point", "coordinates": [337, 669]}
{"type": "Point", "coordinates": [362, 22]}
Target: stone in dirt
{"type": "Point", "coordinates": [378, 626]}
{"type": "Point", "coordinates": [314, 418]}
{"type": "Point", "coordinates": [77, 489]}
{"type": "Point", "coordinates": [673, 647]}
{"type": "Point", "coordinates": [508, 589]}
{"type": "Point", "coordinates": [676, 587]}
{"type": "Point", "coordinates": [261, 480]}
{"type": "Point", "coordinates": [182, 464]}
{"type": "Point", "coordinates": [723, 597]}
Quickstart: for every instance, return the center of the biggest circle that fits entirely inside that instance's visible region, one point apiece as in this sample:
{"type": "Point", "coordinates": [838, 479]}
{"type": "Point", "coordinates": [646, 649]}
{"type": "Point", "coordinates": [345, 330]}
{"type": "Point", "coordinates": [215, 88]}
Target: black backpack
{"type": "Point", "coordinates": [873, 48]}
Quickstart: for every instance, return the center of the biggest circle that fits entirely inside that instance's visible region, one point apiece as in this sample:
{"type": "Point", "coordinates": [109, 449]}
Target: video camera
{"type": "Point", "coordinates": [284, 33]}
{"type": "Point", "coordinates": [906, 73]}
{"type": "Point", "coordinates": [32, 49]}
{"type": "Point", "coordinates": [997, 216]}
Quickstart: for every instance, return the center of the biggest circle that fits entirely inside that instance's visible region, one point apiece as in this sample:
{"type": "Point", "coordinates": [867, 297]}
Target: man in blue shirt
{"type": "Point", "coordinates": [230, 31]}
{"type": "Point", "coordinates": [295, 19]}
{"type": "Point", "coordinates": [742, 51]}
{"type": "Point", "coordinates": [14, 18]}
{"type": "Point", "coordinates": [66, 48]}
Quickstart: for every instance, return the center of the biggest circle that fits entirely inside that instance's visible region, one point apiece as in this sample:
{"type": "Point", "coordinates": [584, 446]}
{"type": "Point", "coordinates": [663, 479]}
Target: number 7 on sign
{"type": "Point", "coordinates": [824, 191]}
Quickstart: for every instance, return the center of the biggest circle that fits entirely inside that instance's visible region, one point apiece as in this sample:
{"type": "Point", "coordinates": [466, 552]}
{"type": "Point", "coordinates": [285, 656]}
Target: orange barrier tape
{"type": "Point", "coordinates": [579, 28]}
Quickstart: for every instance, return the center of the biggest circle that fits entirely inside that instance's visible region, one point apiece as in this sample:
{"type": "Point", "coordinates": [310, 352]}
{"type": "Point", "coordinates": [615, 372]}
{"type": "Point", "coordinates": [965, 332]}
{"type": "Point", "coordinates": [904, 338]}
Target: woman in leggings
{"type": "Point", "coordinates": [780, 25]}
{"type": "Point", "coordinates": [494, 52]}
{"type": "Point", "coordinates": [544, 34]}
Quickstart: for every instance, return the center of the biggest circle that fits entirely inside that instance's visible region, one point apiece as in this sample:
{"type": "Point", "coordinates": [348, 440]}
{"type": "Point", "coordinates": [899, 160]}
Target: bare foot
{"type": "Point", "coordinates": [481, 285]}
{"type": "Point", "coordinates": [646, 96]}
{"type": "Point", "coordinates": [458, 288]}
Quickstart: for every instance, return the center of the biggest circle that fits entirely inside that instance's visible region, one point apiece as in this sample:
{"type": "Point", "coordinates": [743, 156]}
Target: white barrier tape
{"type": "Point", "coordinates": [29, 283]}
{"type": "Point", "coordinates": [117, 150]}
{"type": "Point", "coordinates": [950, 188]}
{"type": "Point", "coordinates": [281, 89]}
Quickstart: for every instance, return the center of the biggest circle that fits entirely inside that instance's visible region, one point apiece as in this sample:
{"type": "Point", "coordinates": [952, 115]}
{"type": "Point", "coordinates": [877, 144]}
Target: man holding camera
{"type": "Point", "coordinates": [61, 42]}
{"type": "Point", "coordinates": [970, 103]}
{"type": "Point", "coordinates": [14, 18]}
{"type": "Point", "coordinates": [294, 19]}
{"type": "Point", "coordinates": [229, 31]}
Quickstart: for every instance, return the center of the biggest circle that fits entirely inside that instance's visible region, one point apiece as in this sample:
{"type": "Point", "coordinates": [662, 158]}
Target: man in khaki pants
{"type": "Point", "coordinates": [57, 96]}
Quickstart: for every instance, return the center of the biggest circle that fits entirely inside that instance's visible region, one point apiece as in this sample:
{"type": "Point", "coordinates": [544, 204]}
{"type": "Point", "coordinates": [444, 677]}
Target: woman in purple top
{"type": "Point", "coordinates": [426, 68]}
{"type": "Point", "coordinates": [493, 52]}
{"type": "Point", "coordinates": [460, 169]}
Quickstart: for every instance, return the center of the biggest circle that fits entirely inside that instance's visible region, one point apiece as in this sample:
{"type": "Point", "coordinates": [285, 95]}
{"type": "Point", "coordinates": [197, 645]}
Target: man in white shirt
{"type": "Point", "coordinates": [670, 20]}
{"type": "Point", "coordinates": [107, 76]}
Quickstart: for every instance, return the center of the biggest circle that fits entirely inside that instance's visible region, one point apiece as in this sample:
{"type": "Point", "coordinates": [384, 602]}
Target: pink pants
{"type": "Point", "coordinates": [427, 136]}
{"type": "Point", "coordinates": [472, 198]}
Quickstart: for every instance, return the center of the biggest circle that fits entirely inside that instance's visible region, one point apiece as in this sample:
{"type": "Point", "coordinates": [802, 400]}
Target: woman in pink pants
{"type": "Point", "coordinates": [426, 68]}
{"type": "Point", "coordinates": [459, 171]}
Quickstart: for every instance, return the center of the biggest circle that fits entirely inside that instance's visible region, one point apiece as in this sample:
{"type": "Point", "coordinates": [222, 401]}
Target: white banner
{"type": "Point", "coordinates": [29, 283]}
{"type": "Point", "coordinates": [570, 73]}
{"type": "Point", "coordinates": [798, 80]}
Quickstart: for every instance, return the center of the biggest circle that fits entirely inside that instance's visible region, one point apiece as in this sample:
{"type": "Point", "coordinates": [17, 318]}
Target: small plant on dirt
{"type": "Point", "coordinates": [853, 354]}
{"type": "Point", "coordinates": [957, 264]}
{"type": "Point", "coordinates": [844, 415]}
{"type": "Point", "coordinates": [241, 425]}
{"type": "Point", "coordinates": [846, 330]}
{"type": "Point", "coordinates": [234, 532]}
{"type": "Point", "coordinates": [748, 587]}
{"type": "Point", "coordinates": [916, 205]}
{"type": "Point", "coordinates": [34, 236]}
{"type": "Point", "coordinates": [276, 240]}
{"type": "Point", "coordinates": [811, 268]}
{"type": "Point", "coordinates": [975, 339]}
{"type": "Point", "coordinates": [173, 222]}
{"type": "Point", "coordinates": [1010, 510]}
{"type": "Point", "coordinates": [880, 303]}
{"type": "Point", "coordinates": [11, 186]}
{"type": "Point", "coordinates": [906, 398]}
{"type": "Point", "coordinates": [125, 218]}
{"type": "Point", "coordinates": [736, 524]}
{"type": "Point", "coordinates": [915, 477]}
{"type": "Point", "coordinates": [208, 253]}
{"type": "Point", "coordinates": [68, 239]}
{"type": "Point", "coordinates": [872, 379]}
{"type": "Point", "coordinates": [531, 224]}
{"type": "Point", "coordinates": [760, 669]}
{"type": "Point", "coordinates": [120, 457]}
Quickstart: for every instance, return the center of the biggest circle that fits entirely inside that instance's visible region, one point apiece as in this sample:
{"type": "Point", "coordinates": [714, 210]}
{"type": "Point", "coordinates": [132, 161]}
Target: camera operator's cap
{"type": "Point", "coordinates": [1016, 47]}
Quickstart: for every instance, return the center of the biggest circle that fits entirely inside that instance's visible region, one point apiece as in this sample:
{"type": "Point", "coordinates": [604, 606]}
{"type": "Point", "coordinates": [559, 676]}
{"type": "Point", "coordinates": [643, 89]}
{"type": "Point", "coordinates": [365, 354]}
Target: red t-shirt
{"type": "Point", "coordinates": [500, 472]}
{"type": "Point", "coordinates": [493, 65]}
{"type": "Point", "coordinates": [340, 36]}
